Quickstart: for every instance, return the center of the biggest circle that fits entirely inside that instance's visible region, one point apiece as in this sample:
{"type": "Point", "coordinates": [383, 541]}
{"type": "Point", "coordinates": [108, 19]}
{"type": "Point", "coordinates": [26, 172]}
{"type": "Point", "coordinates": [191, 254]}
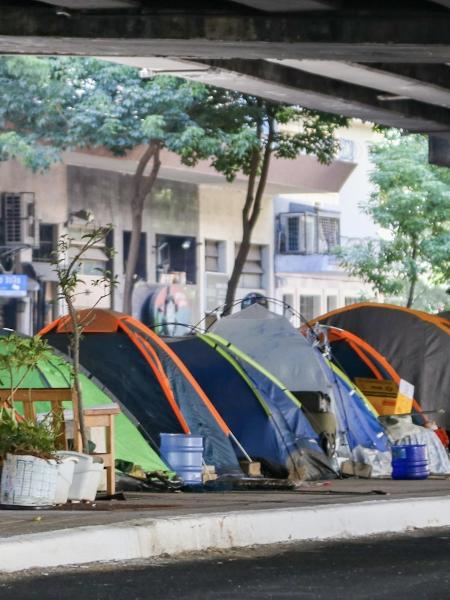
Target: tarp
{"type": "Point", "coordinates": [356, 418]}
{"type": "Point", "coordinates": [415, 343]}
{"type": "Point", "coordinates": [150, 381]}
{"type": "Point", "coordinates": [55, 372]}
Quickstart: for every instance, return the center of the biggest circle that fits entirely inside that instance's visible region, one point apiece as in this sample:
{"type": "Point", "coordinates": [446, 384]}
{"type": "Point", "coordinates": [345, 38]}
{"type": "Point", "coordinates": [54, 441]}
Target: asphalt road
{"type": "Point", "coordinates": [412, 567]}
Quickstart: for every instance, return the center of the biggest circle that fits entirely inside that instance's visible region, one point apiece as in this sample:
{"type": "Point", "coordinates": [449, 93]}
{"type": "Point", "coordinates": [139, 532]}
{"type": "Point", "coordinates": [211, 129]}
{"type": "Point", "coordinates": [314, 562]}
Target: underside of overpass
{"type": "Point", "coordinates": [386, 61]}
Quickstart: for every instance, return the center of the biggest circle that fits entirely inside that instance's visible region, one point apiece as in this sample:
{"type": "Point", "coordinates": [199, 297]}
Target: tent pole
{"type": "Point", "coordinates": [239, 445]}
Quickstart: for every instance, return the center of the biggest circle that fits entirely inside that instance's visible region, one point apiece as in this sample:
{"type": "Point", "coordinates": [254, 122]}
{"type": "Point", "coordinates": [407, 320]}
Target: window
{"type": "Point", "coordinates": [17, 221]}
{"type": "Point", "coordinates": [328, 233]}
{"type": "Point", "coordinates": [288, 305]}
{"type": "Point", "coordinates": [47, 243]}
{"type": "Point", "coordinates": [300, 233]}
{"type": "Point", "coordinates": [309, 306]}
{"type": "Point", "coordinates": [216, 289]}
{"type": "Point", "coordinates": [293, 234]}
{"type": "Point", "coordinates": [141, 265]}
{"type": "Point", "coordinates": [308, 232]}
{"type": "Point", "coordinates": [331, 303]}
{"type": "Point", "coordinates": [12, 214]}
{"type": "Point", "coordinates": [176, 254]}
{"type": "Point", "coordinates": [252, 271]}
{"type": "Point", "coordinates": [214, 256]}
{"type": "Point", "coordinates": [346, 150]}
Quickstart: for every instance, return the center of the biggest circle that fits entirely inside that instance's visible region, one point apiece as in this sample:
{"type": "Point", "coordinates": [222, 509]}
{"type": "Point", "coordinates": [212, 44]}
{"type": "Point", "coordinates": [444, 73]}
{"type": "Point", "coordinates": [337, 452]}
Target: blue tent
{"type": "Point", "coordinates": [275, 344]}
{"type": "Point", "coordinates": [266, 419]}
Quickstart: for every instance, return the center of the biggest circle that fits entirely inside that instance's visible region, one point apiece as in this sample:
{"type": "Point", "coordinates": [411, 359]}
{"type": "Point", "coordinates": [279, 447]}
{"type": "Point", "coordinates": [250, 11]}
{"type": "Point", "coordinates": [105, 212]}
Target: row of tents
{"type": "Point", "coordinates": [249, 387]}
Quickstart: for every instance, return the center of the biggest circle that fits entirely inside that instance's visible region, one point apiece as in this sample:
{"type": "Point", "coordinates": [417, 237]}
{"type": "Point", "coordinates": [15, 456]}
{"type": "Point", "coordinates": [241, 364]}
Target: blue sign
{"type": "Point", "coordinates": [13, 286]}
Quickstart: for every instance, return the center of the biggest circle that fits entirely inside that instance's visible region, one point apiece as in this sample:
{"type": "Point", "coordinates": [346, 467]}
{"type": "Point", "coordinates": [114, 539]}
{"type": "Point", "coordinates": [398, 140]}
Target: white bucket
{"type": "Point", "coordinates": [28, 481]}
{"type": "Point", "coordinates": [65, 477]}
{"type": "Point", "coordinates": [86, 477]}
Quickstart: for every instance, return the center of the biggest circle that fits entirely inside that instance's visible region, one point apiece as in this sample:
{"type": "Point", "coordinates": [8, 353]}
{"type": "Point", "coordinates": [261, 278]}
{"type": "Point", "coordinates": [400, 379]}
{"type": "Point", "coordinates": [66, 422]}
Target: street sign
{"type": "Point", "coordinates": [13, 286]}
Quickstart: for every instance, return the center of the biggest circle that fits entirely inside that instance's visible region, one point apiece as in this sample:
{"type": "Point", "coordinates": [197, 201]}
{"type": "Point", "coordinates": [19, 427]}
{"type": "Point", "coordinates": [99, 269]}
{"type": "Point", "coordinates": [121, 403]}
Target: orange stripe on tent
{"type": "Point", "coordinates": [108, 321]}
{"type": "Point", "coordinates": [343, 334]}
{"type": "Point", "coordinates": [356, 341]}
{"type": "Point", "coordinates": [159, 374]}
{"type": "Point", "coordinates": [179, 363]}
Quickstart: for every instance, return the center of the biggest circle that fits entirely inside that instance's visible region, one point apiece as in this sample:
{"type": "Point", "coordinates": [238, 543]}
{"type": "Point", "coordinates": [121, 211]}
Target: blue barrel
{"type": "Point", "coordinates": [184, 455]}
{"type": "Point", "coordinates": [410, 462]}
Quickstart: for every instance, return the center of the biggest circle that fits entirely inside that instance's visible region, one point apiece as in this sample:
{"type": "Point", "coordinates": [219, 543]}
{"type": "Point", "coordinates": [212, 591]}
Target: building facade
{"type": "Point", "coordinates": [192, 225]}
{"type": "Point", "coordinates": [191, 232]}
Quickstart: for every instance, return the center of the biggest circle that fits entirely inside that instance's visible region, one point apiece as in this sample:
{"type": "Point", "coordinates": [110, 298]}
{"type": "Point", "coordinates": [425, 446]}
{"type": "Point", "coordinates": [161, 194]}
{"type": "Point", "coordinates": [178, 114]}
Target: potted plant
{"type": "Point", "coordinates": [30, 471]}
{"type": "Point", "coordinates": [27, 446]}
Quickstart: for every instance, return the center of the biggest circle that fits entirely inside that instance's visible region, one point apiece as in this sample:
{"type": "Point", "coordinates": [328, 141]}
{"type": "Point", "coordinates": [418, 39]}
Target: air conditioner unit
{"type": "Point", "coordinates": [19, 225]}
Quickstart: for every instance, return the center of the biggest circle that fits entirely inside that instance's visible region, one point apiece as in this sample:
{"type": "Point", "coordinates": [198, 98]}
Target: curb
{"type": "Point", "coordinates": [147, 538]}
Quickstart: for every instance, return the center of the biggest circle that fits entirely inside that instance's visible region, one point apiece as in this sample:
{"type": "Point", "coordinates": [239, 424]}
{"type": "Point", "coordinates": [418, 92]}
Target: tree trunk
{"type": "Point", "coordinates": [132, 259]}
{"type": "Point", "coordinates": [142, 186]}
{"type": "Point", "coordinates": [413, 278]}
{"type": "Point", "coordinates": [75, 343]}
{"type": "Point", "coordinates": [250, 214]}
{"type": "Point", "coordinates": [239, 263]}
{"type": "Point", "coordinates": [412, 288]}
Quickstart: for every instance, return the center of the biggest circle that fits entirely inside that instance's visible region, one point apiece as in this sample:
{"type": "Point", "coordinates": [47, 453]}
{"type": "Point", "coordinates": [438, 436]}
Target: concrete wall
{"type": "Point", "coordinates": [357, 188]}
{"type": "Point", "coordinates": [220, 219]}
{"type": "Point", "coordinates": [49, 188]}
{"type": "Point", "coordinates": [172, 209]}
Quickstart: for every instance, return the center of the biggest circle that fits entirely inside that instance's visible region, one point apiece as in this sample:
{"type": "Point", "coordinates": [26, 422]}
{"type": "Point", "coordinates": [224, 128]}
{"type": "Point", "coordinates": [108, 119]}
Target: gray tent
{"type": "Point", "coordinates": [444, 315]}
{"type": "Point", "coordinates": [277, 346]}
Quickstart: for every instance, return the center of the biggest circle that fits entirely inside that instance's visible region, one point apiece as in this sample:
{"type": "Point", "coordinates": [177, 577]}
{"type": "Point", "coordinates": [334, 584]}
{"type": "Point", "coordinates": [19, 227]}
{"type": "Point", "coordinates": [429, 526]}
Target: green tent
{"type": "Point", "coordinates": [54, 372]}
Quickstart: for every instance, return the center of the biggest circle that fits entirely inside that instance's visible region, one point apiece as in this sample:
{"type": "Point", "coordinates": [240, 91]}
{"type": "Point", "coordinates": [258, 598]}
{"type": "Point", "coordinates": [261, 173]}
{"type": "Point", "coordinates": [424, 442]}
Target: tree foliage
{"type": "Point", "coordinates": [411, 203]}
{"type": "Point", "coordinates": [254, 130]}
{"type": "Point", "coordinates": [85, 103]}
{"type": "Point", "coordinates": [53, 104]}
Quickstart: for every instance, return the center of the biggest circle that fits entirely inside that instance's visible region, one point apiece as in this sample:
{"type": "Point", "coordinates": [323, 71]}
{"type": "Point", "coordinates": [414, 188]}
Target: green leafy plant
{"type": "Point", "coordinates": [19, 355]}
{"type": "Point", "coordinates": [411, 203]}
{"type": "Point", "coordinates": [26, 437]}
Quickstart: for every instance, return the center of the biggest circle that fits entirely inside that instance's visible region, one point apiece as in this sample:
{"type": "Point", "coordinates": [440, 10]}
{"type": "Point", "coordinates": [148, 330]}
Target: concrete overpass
{"type": "Point", "coordinates": [386, 61]}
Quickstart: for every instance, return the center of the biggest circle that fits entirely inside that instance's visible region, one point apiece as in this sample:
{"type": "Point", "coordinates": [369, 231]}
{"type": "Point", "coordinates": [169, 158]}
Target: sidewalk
{"type": "Point", "coordinates": [149, 525]}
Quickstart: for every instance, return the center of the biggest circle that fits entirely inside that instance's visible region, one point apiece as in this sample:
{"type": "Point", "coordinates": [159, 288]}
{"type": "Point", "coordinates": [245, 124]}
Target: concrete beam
{"type": "Point", "coordinates": [442, 2]}
{"type": "Point", "coordinates": [364, 37]}
{"type": "Point", "coordinates": [92, 4]}
{"type": "Point", "coordinates": [425, 83]}
{"type": "Point", "coordinates": [439, 150]}
{"type": "Point", "coordinates": [285, 84]}
{"type": "Point", "coordinates": [286, 5]}
{"type": "Point", "coordinates": [437, 75]}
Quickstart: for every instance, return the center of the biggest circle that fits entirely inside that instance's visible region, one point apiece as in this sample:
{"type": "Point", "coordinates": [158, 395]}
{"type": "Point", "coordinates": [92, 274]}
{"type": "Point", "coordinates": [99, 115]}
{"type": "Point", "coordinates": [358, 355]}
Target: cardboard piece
{"type": "Point", "coordinates": [387, 397]}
